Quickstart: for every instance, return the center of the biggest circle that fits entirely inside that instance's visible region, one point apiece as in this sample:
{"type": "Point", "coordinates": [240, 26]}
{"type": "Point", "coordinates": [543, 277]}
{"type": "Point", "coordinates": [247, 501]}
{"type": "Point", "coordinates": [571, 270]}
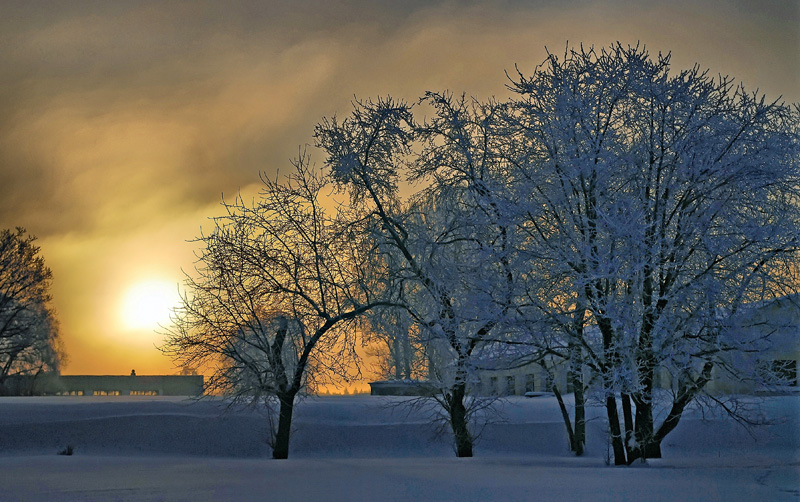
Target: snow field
{"type": "Point", "coordinates": [365, 448]}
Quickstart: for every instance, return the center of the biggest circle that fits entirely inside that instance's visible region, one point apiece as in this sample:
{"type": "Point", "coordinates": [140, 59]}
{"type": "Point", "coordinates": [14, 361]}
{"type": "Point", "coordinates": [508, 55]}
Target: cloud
{"type": "Point", "coordinates": [179, 102]}
{"type": "Point", "coordinates": [119, 120]}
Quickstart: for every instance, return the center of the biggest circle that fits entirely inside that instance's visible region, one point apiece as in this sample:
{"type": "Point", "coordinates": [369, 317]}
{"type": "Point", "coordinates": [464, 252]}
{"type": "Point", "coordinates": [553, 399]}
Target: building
{"type": "Point", "coordinates": [130, 385]}
{"type": "Point", "coordinates": [107, 385]}
{"type": "Point", "coordinates": [401, 388]}
{"type": "Point", "coordinates": [777, 366]}
{"type": "Point", "coordinates": [776, 321]}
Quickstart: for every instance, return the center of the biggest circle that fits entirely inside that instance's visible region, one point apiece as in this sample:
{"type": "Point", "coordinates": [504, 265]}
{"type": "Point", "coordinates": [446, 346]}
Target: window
{"type": "Point", "coordinates": [511, 386]}
{"type": "Point", "coordinates": [530, 382]}
{"type": "Point", "coordinates": [493, 385]}
{"type": "Point", "coordinates": [144, 393]}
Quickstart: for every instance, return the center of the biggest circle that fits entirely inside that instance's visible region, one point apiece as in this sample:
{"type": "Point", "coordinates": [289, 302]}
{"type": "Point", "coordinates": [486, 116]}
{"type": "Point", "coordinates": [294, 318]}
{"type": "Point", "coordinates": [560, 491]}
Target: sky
{"type": "Point", "coordinates": [123, 124]}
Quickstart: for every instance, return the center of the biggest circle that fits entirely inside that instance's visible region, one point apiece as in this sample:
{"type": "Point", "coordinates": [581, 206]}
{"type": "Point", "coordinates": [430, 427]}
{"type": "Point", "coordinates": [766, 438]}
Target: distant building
{"type": "Point", "coordinates": [107, 385]}
{"type": "Point", "coordinates": [401, 388]}
{"type": "Point", "coordinates": [777, 365]}
{"type": "Point", "coordinates": [131, 385]}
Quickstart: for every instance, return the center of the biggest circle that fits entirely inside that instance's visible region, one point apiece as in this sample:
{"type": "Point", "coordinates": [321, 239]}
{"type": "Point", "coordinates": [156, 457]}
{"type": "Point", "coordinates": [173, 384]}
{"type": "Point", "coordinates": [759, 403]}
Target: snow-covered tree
{"type": "Point", "coordinates": [270, 308]}
{"type": "Point", "coordinates": [667, 201]}
{"type": "Point", "coordinates": [448, 246]}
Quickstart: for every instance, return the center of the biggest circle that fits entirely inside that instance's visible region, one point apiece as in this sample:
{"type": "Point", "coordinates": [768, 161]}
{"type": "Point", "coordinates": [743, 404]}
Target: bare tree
{"type": "Point", "coordinates": [270, 309]}
{"type": "Point", "coordinates": [29, 338]}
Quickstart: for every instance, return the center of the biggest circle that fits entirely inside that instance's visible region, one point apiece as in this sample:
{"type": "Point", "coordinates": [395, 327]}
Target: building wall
{"type": "Point", "coordinates": [779, 319]}
{"type": "Point", "coordinates": [529, 378]}
{"type": "Point", "coordinates": [131, 385]}
{"type": "Point", "coordinates": [401, 388]}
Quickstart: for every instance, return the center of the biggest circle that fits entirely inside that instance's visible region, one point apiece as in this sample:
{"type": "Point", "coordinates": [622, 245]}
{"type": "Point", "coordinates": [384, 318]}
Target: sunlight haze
{"type": "Point", "coordinates": [147, 304]}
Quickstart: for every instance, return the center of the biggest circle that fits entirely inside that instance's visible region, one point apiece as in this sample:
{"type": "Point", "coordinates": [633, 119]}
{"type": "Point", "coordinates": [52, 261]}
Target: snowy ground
{"type": "Point", "coordinates": [361, 448]}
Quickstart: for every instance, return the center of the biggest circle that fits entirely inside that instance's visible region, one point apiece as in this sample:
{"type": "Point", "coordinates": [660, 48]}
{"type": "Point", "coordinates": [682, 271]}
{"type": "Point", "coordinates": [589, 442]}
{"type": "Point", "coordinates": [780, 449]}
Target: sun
{"type": "Point", "coordinates": [147, 304]}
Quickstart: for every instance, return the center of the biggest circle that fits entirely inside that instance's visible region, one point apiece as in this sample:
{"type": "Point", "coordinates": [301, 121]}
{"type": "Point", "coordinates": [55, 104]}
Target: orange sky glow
{"type": "Point", "coordinates": [123, 124]}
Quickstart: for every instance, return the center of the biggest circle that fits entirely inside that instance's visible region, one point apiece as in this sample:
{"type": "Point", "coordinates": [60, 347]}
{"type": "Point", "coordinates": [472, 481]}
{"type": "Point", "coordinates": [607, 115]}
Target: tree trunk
{"type": "Point", "coordinates": [458, 420]}
{"type": "Point", "coordinates": [652, 449]}
{"type": "Point", "coordinates": [643, 398]}
{"type": "Point", "coordinates": [280, 448]}
{"type": "Point", "coordinates": [686, 394]}
{"type": "Point", "coordinates": [407, 355]}
{"type": "Point", "coordinates": [627, 418]}
{"type": "Point", "coordinates": [580, 409]}
{"type": "Point", "coordinates": [396, 356]}
{"type": "Point", "coordinates": [616, 433]}
{"type": "Point", "coordinates": [565, 416]}
{"type": "Point", "coordinates": [644, 423]}
{"type": "Point", "coordinates": [576, 373]}
{"type": "Point", "coordinates": [612, 357]}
